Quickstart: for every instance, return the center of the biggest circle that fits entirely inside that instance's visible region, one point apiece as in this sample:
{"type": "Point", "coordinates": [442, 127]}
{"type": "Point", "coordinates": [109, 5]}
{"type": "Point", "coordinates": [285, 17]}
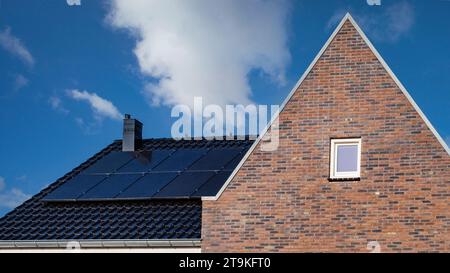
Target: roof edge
{"type": "Point", "coordinates": [399, 84]}
{"type": "Point", "coordinates": [63, 244]}
{"type": "Point", "coordinates": [346, 18]}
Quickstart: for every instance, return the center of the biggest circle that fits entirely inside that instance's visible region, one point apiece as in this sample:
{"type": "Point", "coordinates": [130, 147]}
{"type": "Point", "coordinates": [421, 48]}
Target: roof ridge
{"type": "Point", "coordinates": [221, 138]}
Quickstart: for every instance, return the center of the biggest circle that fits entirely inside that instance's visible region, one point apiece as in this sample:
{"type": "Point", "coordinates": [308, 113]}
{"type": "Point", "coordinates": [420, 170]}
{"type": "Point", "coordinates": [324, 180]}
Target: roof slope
{"type": "Point", "coordinates": [113, 219]}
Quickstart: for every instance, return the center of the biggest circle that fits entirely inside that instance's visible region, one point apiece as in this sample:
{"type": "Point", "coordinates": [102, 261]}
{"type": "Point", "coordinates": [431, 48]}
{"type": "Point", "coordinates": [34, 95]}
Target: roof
{"type": "Point", "coordinates": [114, 219]}
{"type": "Point", "coordinates": [275, 117]}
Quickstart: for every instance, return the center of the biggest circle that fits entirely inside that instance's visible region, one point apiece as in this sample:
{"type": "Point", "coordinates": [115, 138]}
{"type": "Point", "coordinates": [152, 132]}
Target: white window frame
{"type": "Point", "coordinates": [335, 143]}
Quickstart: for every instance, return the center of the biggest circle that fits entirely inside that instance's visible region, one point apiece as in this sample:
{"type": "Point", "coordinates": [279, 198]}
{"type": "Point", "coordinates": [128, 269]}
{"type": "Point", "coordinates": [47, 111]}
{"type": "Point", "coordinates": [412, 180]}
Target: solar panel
{"type": "Point", "coordinates": [110, 162]}
{"type": "Point", "coordinates": [112, 186]}
{"type": "Point", "coordinates": [148, 185]}
{"type": "Point", "coordinates": [213, 185]}
{"type": "Point", "coordinates": [74, 187]}
{"type": "Point", "coordinates": [145, 161]}
{"type": "Point", "coordinates": [185, 184]}
{"type": "Point", "coordinates": [180, 160]}
{"type": "Point", "coordinates": [233, 163]}
{"type": "Point", "coordinates": [215, 159]}
{"type": "Point", "coordinates": [159, 173]}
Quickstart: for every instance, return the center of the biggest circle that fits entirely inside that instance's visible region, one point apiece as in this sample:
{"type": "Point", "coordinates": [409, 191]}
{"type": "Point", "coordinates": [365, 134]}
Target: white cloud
{"type": "Point", "coordinates": [401, 18]}
{"type": "Point", "coordinates": [100, 106]}
{"type": "Point", "coordinates": [73, 2]}
{"type": "Point", "coordinates": [56, 104]}
{"type": "Point", "coordinates": [205, 48]}
{"type": "Point", "coordinates": [90, 127]}
{"type": "Point", "coordinates": [394, 22]}
{"type": "Point", "coordinates": [336, 18]}
{"type": "Point", "coordinates": [11, 198]}
{"type": "Point", "coordinates": [15, 47]}
{"type": "Point", "coordinates": [79, 121]}
{"type": "Point", "coordinates": [2, 183]}
{"type": "Point", "coordinates": [20, 81]}
{"type": "Point", "coordinates": [22, 177]}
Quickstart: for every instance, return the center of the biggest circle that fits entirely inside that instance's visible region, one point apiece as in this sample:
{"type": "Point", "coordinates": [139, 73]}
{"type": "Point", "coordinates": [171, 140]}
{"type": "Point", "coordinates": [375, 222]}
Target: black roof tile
{"type": "Point", "coordinates": [114, 219]}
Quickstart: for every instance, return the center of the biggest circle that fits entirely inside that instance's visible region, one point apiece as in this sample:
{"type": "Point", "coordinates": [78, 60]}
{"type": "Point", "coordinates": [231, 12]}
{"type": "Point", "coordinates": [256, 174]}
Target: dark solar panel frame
{"type": "Point", "coordinates": [74, 188]}
{"type": "Point", "coordinates": [179, 161]}
{"type": "Point", "coordinates": [147, 186]}
{"type": "Point", "coordinates": [216, 159]}
{"type": "Point", "coordinates": [110, 187]}
{"type": "Point", "coordinates": [185, 184]}
{"type": "Point", "coordinates": [110, 163]}
{"type": "Point", "coordinates": [175, 173]}
{"type": "Point", "coordinates": [213, 185]}
{"type": "Point", "coordinates": [139, 164]}
{"type": "Point", "coordinates": [232, 164]}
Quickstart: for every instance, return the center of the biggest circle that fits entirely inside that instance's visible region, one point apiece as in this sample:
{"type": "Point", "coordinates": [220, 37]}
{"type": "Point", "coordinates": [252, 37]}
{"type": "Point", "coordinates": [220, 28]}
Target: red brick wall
{"type": "Point", "coordinates": [283, 201]}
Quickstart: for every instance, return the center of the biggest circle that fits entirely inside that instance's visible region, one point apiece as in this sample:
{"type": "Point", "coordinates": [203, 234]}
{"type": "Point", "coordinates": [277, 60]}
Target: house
{"type": "Point", "coordinates": [358, 166]}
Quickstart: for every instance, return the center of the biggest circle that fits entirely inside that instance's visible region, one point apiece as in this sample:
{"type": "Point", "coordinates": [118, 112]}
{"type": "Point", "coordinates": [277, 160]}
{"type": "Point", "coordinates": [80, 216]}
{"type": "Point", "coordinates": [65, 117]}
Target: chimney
{"type": "Point", "coordinates": [132, 134]}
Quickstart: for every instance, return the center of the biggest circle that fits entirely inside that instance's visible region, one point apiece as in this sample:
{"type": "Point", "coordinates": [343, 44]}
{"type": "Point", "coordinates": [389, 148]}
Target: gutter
{"type": "Point", "coordinates": [63, 244]}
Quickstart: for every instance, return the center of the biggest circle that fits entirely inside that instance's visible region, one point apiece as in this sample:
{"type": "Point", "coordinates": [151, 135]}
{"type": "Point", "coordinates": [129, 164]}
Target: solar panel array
{"type": "Point", "coordinates": [156, 174]}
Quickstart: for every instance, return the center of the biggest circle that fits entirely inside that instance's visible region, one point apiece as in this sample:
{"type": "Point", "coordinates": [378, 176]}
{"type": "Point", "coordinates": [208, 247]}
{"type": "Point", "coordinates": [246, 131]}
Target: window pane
{"type": "Point", "coordinates": [347, 158]}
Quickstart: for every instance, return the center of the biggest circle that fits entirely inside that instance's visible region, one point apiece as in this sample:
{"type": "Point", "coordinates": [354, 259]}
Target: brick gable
{"type": "Point", "coordinates": [283, 200]}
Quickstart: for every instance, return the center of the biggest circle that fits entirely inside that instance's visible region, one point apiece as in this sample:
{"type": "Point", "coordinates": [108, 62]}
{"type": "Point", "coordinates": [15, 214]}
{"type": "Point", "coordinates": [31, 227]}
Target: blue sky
{"type": "Point", "coordinates": [69, 72]}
